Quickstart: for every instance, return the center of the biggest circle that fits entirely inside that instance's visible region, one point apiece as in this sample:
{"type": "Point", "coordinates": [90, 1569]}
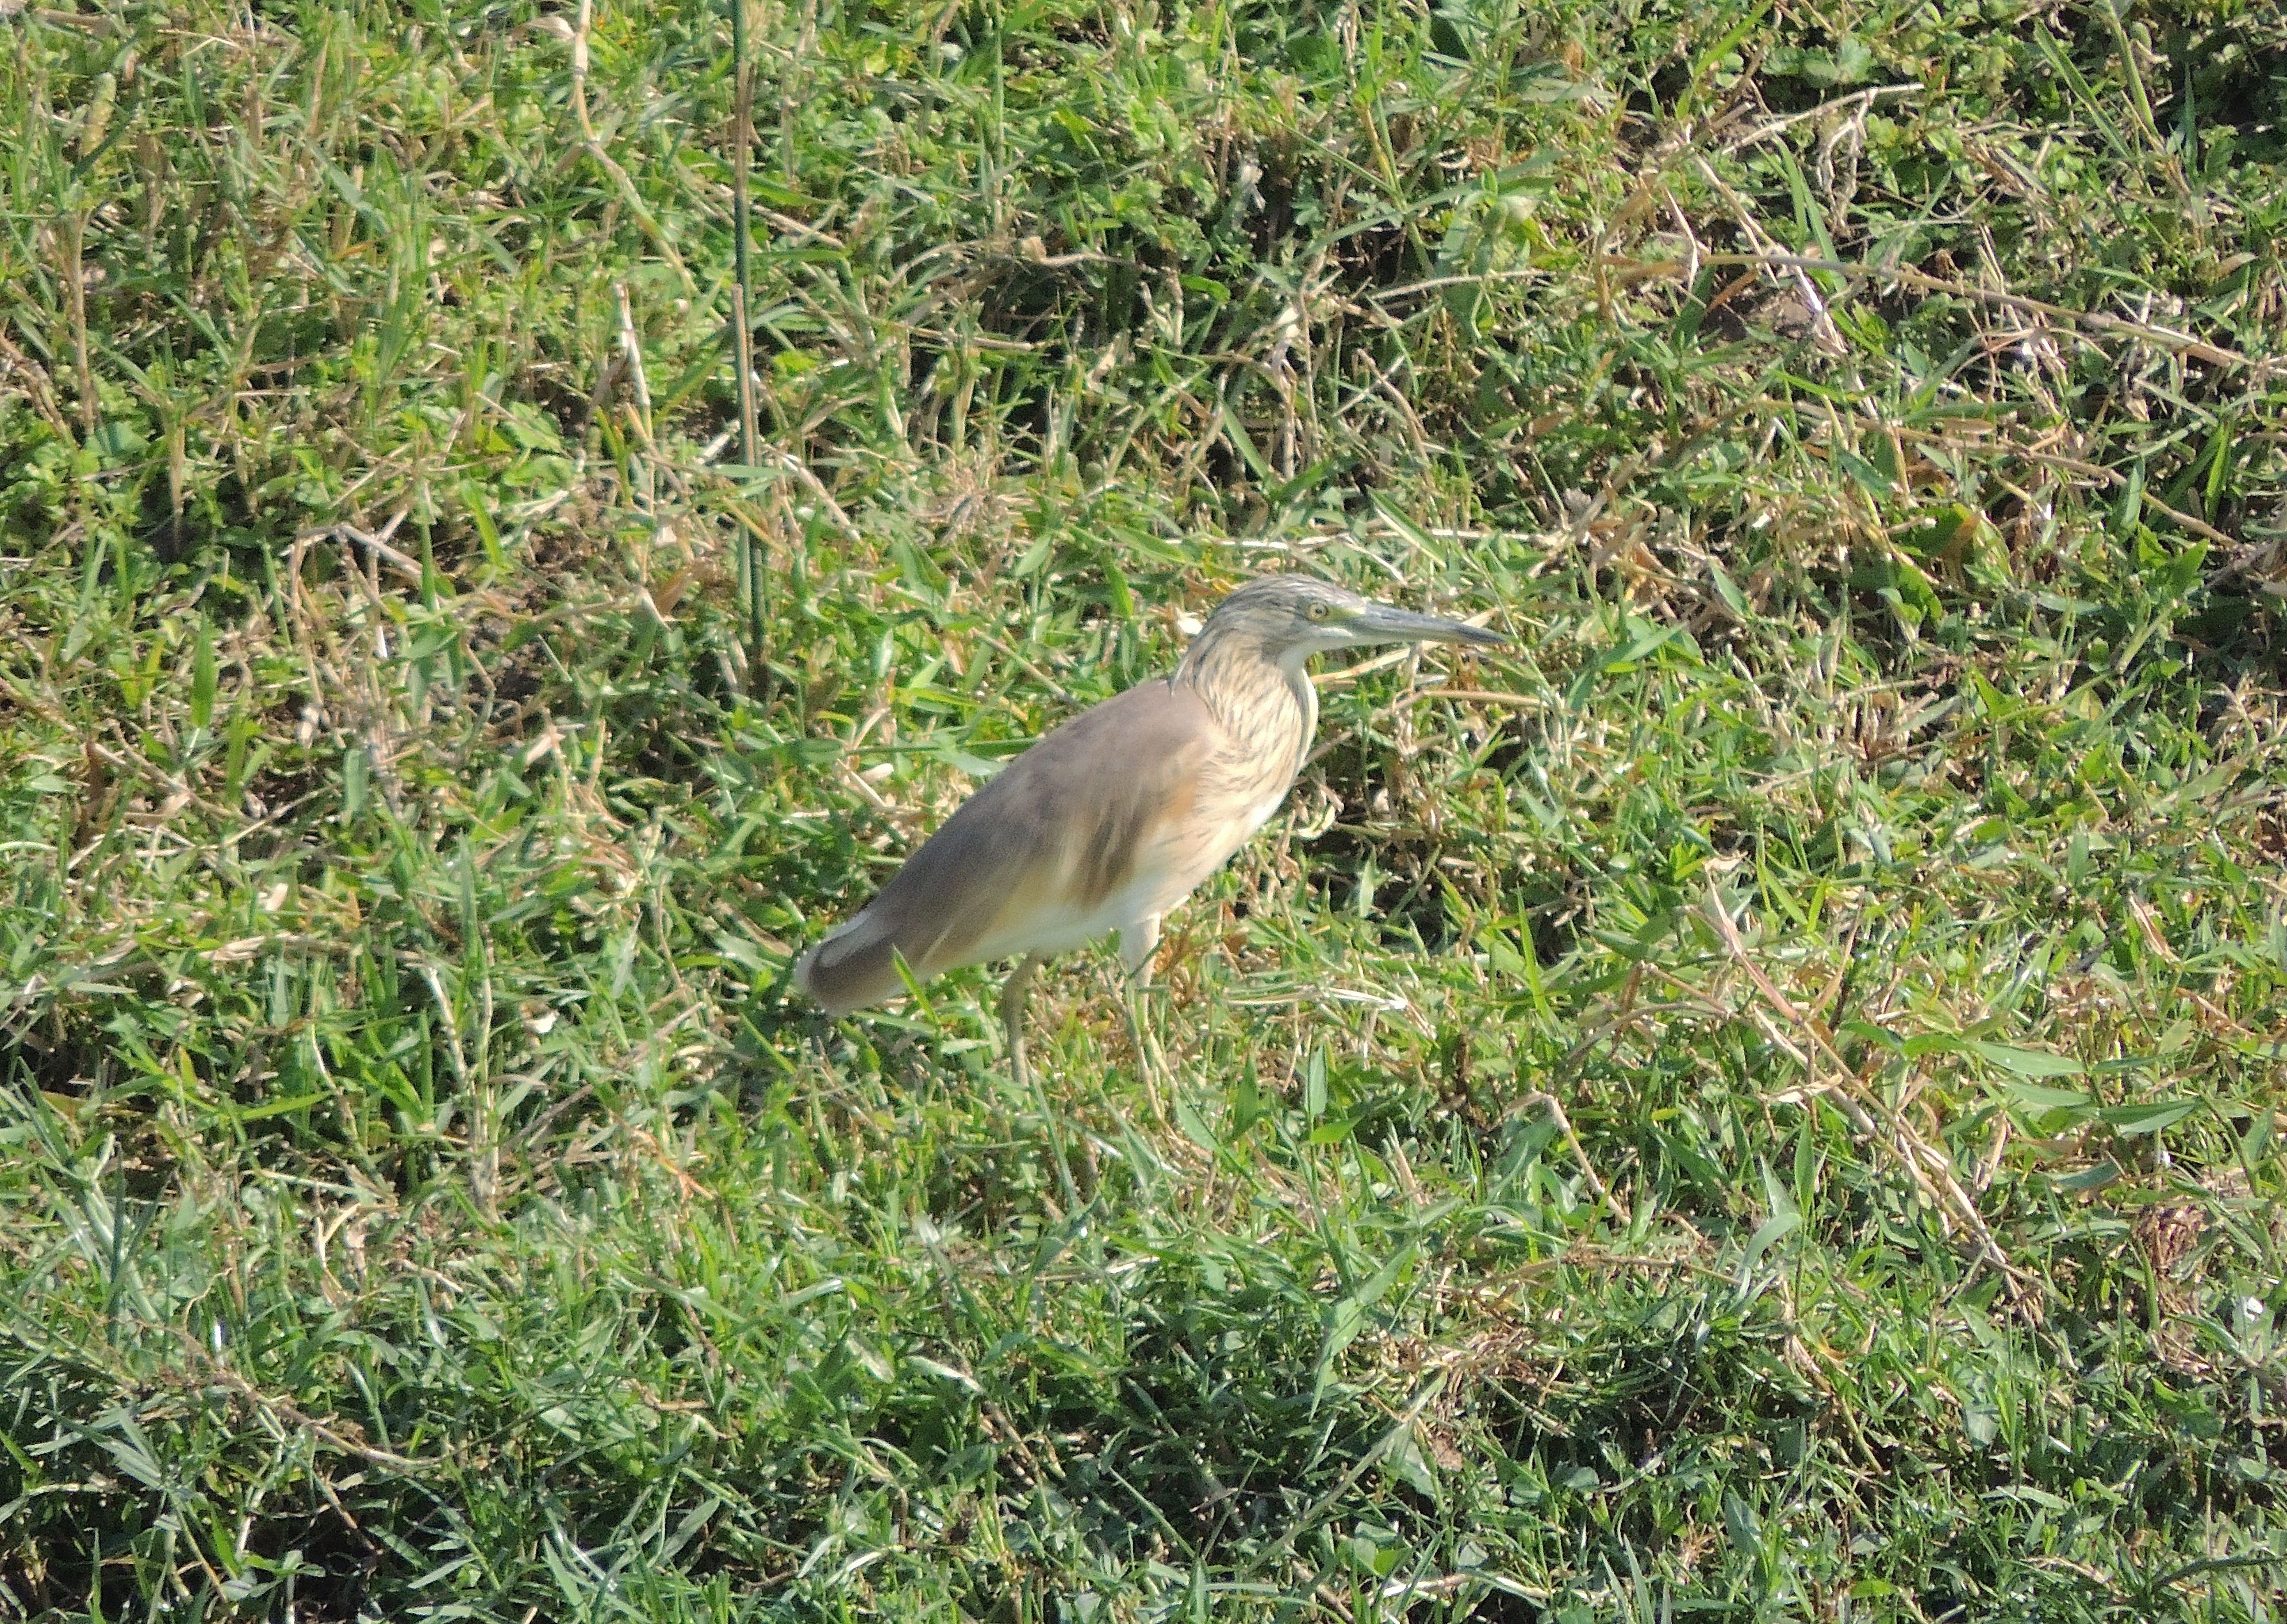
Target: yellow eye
{"type": "Point", "coordinates": [1318, 612]}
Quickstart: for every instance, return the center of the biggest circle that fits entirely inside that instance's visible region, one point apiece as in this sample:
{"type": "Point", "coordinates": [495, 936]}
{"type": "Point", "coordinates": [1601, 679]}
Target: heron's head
{"type": "Point", "coordinates": [1298, 616]}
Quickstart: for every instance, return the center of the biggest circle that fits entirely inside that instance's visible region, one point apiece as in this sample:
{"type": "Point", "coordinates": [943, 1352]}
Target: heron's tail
{"type": "Point", "coordinates": [856, 966]}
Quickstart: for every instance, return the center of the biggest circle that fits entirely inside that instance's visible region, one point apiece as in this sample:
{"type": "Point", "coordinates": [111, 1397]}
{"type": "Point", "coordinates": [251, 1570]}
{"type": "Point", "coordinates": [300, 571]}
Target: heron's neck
{"type": "Point", "coordinates": [1264, 701]}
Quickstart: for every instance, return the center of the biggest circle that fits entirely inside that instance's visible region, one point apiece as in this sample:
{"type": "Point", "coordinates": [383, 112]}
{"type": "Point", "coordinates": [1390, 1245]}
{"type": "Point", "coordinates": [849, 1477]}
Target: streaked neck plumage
{"type": "Point", "coordinates": [1261, 695]}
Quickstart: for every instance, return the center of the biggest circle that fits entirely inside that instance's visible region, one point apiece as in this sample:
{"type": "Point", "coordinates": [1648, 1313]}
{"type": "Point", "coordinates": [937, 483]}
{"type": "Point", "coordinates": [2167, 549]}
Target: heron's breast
{"type": "Point", "coordinates": [1236, 801]}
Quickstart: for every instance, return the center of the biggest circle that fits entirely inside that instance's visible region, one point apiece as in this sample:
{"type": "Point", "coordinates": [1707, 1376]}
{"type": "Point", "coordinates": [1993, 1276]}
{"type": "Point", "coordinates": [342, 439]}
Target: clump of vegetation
{"type": "Point", "coordinates": [1762, 1101]}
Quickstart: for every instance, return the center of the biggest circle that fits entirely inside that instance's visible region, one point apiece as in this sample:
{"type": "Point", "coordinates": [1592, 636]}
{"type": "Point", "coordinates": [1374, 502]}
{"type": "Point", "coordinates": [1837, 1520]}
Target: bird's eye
{"type": "Point", "coordinates": [1318, 612]}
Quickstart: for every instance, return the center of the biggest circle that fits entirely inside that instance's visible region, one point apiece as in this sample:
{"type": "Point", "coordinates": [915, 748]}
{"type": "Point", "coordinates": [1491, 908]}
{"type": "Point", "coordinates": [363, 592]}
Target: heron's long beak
{"type": "Point", "coordinates": [1379, 624]}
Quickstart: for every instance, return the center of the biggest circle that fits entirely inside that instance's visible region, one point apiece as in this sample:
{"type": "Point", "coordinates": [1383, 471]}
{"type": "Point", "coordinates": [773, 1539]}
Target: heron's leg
{"type": "Point", "coordinates": [1136, 942]}
{"type": "Point", "coordinates": [1137, 938]}
{"type": "Point", "coordinates": [1014, 997]}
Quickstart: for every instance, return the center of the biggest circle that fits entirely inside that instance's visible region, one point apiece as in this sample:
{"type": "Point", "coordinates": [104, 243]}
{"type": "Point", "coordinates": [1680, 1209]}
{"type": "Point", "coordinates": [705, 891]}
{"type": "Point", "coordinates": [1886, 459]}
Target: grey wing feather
{"type": "Point", "coordinates": [1060, 826]}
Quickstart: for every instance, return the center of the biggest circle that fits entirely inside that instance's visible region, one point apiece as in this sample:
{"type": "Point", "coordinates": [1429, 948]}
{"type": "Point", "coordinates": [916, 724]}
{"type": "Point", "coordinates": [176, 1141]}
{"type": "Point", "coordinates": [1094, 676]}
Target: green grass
{"type": "Point", "coordinates": [1762, 1105]}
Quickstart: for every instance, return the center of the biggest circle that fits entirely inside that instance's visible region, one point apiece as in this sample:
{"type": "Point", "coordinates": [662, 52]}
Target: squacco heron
{"type": "Point", "coordinates": [1112, 818]}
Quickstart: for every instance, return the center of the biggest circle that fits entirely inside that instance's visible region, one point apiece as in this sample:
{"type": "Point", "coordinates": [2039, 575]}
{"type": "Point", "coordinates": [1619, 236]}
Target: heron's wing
{"type": "Point", "coordinates": [1066, 843]}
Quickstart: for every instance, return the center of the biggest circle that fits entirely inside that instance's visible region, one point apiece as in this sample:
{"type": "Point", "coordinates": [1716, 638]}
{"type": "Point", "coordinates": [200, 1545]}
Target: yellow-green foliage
{"type": "Point", "coordinates": [1760, 1103]}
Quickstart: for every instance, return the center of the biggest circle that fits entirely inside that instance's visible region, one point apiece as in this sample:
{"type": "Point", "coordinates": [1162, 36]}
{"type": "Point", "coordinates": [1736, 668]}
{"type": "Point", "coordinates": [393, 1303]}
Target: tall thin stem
{"type": "Point", "coordinates": [751, 558]}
